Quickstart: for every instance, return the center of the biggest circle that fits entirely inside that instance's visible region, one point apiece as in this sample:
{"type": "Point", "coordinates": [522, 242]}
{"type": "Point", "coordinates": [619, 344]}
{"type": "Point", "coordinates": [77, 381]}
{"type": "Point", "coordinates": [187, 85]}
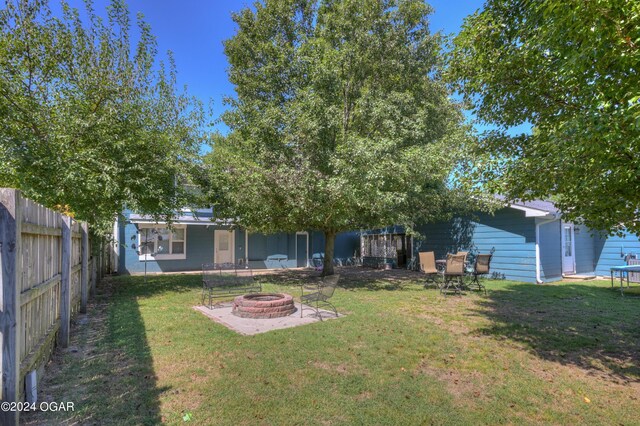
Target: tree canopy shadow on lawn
{"type": "Point", "coordinates": [351, 278]}
{"type": "Point", "coordinates": [108, 369]}
{"type": "Point", "coordinates": [588, 326]}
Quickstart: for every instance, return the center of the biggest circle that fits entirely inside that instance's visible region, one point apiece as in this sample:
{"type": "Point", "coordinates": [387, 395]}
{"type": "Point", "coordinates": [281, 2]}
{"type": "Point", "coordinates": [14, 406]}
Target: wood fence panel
{"type": "Point", "coordinates": [84, 272]}
{"type": "Point", "coordinates": [65, 278]}
{"type": "Point", "coordinates": [44, 274]}
{"type": "Point", "coordinates": [40, 285]}
{"type": "Point", "coordinates": [76, 267]}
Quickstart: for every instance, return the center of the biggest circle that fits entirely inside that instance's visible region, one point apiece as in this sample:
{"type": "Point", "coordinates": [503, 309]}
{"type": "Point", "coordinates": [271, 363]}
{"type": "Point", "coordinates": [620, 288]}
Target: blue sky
{"type": "Point", "coordinates": [195, 29]}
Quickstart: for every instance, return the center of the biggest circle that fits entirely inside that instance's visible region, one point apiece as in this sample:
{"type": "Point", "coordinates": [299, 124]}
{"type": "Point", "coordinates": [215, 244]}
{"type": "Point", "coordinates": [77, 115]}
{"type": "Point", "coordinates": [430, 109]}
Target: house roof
{"type": "Point", "coordinates": [535, 208]}
{"type": "Point", "coordinates": [188, 217]}
{"type": "Point", "coordinates": [543, 205]}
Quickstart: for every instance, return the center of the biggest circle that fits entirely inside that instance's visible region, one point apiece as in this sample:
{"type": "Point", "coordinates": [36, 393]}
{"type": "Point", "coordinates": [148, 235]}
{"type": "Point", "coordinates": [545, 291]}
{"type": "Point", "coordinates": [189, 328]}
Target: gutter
{"type": "Point", "coordinates": [538, 267]}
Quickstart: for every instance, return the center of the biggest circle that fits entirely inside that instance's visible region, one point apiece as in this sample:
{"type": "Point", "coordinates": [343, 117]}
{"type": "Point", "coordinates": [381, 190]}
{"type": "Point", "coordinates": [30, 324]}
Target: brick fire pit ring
{"type": "Point", "coordinates": [263, 305]}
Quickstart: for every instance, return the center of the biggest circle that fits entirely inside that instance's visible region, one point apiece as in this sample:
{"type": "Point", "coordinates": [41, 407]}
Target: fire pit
{"type": "Point", "coordinates": [267, 305]}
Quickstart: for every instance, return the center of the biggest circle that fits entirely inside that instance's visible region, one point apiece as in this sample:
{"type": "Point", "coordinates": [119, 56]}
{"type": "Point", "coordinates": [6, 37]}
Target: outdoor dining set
{"type": "Point", "coordinates": [454, 274]}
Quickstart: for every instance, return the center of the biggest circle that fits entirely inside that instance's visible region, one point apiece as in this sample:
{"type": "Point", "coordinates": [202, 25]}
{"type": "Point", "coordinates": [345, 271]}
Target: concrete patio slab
{"type": "Point", "coordinates": [221, 314]}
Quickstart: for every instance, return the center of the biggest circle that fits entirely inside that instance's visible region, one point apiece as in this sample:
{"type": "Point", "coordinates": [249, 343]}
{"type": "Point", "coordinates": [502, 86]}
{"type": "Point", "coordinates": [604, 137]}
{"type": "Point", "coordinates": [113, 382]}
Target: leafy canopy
{"type": "Point", "coordinates": [570, 68]}
{"type": "Point", "coordinates": [341, 120]}
{"type": "Point", "coordinates": [90, 123]}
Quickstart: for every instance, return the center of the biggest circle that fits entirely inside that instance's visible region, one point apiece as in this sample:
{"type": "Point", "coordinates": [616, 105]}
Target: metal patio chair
{"type": "Point", "coordinates": [428, 267]}
{"type": "Point", "coordinates": [320, 294]}
{"type": "Point", "coordinates": [482, 266]}
{"type": "Point", "coordinates": [454, 273]}
{"type": "Point", "coordinates": [227, 279]}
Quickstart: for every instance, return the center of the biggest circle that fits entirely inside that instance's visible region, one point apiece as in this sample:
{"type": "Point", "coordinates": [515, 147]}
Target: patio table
{"type": "Point", "coordinates": [280, 259]}
{"type": "Point", "coordinates": [622, 269]}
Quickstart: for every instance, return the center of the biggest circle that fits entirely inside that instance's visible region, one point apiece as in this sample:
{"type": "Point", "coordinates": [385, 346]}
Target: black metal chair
{"type": "Point", "coordinates": [227, 279]}
{"type": "Point", "coordinates": [320, 294]}
{"type": "Point", "coordinates": [210, 272]}
{"type": "Point", "coordinates": [482, 266]}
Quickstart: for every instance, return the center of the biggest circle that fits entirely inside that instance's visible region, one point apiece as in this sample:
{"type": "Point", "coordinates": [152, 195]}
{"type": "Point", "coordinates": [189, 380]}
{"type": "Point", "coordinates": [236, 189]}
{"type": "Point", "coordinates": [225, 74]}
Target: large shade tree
{"type": "Point", "coordinates": [89, 121]}
{"type": "Point", "coordinates": [571, 69]}
{"type": "Point", "coordinates": [341, 120]}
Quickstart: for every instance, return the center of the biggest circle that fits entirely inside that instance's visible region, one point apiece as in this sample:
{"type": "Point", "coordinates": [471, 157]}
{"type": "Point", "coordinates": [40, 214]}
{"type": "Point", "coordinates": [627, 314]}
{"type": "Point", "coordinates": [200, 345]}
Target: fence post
{"type": "Point", "coordinates": [94, 275]}
{"type": "Point", "coordinates": [10, 281]}
{"type": "Point", "coordinates": [84, 278]}
{"type": "Point", "coordinates": [65, 282]}
{"type": "Point", "coordinates": [99, 260]}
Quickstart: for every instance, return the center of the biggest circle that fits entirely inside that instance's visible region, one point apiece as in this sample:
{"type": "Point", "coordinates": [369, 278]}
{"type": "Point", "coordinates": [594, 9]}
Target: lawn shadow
{"type": "Point", "coordinates": [351, 278]}
{"type": "Point", "coordinates": [107, 371]}
{"type": "Point", "coordinates": [588, 326]}
{"type": "Point", "coordinates": [157, 284]}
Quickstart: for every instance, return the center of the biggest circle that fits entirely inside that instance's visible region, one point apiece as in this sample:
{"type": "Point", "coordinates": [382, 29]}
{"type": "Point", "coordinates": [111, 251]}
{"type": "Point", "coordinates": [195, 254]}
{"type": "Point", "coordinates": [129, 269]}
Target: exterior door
{"type": "Point", "coordinates": [302, 249]}
{"type": "Point", "coordinates": [223, 246]}
{"type": "Point", "coordinates": [568, 249]}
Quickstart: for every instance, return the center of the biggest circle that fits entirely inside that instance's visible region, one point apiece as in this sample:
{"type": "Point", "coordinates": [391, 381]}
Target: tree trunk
{"type": "Point", "coordinates": [329, 242]}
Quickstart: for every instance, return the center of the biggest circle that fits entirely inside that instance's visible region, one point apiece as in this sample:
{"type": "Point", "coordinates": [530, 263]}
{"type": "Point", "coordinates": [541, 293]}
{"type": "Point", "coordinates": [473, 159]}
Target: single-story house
{"type": "Point", "coordinates": [196, 239]}
{"type": "Point", "coordinates": [530, 241]}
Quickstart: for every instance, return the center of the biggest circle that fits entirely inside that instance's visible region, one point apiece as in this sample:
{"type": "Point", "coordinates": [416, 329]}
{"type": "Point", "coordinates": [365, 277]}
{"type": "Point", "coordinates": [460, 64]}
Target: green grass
{"type": "Point", "coordinates": [555, 354]}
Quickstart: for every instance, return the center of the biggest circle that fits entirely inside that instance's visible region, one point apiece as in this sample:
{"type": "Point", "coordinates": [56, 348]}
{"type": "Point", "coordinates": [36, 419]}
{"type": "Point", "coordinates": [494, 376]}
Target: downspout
{"type": "Point", "coordinates": [538, 267]}
{"type": "Point", "coordinates": [116, 244]}
{"type": "Point", "coordinates": [246, 248]}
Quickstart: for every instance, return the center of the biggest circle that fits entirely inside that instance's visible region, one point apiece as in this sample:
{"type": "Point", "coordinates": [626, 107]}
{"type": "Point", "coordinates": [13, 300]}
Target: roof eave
{"type": "Point", "coordinates": [531, 212]}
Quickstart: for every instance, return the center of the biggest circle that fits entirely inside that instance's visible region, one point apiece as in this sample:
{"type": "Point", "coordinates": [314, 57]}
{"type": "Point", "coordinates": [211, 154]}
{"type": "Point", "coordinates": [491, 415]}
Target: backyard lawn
{"type": "Point", "coordinates": [565, 353]}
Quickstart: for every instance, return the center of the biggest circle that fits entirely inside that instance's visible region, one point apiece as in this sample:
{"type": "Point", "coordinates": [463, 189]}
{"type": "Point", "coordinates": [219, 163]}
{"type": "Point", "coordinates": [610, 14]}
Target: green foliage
{"type": "Point", "coordinates": [89, 122]}
{"type": "Point", "coordinates": [341, 120]}
{"type": "Point", "coordinates": [570, 68]}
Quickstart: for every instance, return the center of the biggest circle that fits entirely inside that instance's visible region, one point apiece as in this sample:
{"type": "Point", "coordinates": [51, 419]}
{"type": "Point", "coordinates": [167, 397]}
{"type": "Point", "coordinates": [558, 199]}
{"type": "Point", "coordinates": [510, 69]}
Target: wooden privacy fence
{"type": "Point", "coordinates": [44, 280]}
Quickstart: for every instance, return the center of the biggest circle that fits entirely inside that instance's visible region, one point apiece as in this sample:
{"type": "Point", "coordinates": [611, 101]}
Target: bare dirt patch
{"type": "Point", "coordinates": [467, 387]}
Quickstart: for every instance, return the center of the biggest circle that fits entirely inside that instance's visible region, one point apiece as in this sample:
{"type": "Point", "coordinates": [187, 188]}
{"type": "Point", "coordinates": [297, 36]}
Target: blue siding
{"type": "Point", "coordinates": [509, 231]}
{"type": "Point", "coordinates": [585, 249]}
{"type": "Point", "coordinates": [346, 244]}
{"type": "Point", "coordinates": [302, 250]}
{"type": "Point", "coordinates": [610, 251]}
{"type": "Point", "coordinates": [239, 244]}
{"type": "Point", "coordinates": [551, 251]}
{"type": "Point", "coordinates": [199, 250]}
{"type": "Point", "coordinates": [316, 243]}
{"type": "Point", "coordinates": [264, 250]}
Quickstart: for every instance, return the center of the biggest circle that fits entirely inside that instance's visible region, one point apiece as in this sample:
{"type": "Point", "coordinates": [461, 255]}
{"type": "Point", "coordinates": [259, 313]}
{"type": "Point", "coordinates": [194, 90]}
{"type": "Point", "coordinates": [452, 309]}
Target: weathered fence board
{"type": "Point", "coordinates": [44, 281]}
{"type": "Point", "coordinates": [10, 319]}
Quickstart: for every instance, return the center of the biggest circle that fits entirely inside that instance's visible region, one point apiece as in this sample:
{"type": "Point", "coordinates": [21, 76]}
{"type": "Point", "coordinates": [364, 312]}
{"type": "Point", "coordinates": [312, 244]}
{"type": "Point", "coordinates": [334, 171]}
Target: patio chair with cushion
{"type": "Point", "coordinates": [454, 273]}
{"type": "Point", "coordinates": [481, 267]}
{"type": "Point", "coordinates": [320, 293]}
{"type": "Point", "coordinates": [428, 267]}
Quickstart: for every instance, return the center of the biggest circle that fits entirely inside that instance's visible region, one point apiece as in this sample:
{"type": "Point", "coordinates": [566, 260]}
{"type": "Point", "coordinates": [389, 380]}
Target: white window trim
{"type": "Point", "coordinates": [148, 257]}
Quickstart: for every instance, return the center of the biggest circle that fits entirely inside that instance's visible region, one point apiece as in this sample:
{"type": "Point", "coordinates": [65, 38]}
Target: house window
{"type": "Point", "coordinates": [161, 243]}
